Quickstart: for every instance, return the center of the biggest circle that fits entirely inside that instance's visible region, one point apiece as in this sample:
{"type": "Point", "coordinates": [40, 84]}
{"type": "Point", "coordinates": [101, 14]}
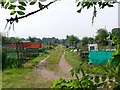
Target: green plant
{"type": "Point", "coordinates": [4, 56]}
{"type": "Point", "coordinates": [84, 81]}
{"type": "Point", "coordinates": [109, 79]}
{"type": "Point", "coordinates": [9, 58]}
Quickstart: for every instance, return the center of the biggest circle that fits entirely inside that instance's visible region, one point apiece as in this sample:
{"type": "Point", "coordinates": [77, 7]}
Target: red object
{"type": "Point", "coordinates": [35, 45]}
{"type": "Point", "coordinates": [25, 45]}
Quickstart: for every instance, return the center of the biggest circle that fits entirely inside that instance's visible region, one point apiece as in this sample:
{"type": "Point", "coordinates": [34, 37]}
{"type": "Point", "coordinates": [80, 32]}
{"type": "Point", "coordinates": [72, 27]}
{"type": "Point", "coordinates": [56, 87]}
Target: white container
{"type": "Point", "coordinates": [93, 47]}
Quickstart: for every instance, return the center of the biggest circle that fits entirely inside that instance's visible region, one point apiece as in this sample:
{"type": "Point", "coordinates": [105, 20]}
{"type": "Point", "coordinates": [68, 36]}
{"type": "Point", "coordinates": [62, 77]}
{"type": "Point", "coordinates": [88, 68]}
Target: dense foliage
{"type": "Point", "coordinates": [72, 40]}
{"type": "Point", "coordinates": [102, 35]}
{"type": "Point", "coordinates": [9, 58]}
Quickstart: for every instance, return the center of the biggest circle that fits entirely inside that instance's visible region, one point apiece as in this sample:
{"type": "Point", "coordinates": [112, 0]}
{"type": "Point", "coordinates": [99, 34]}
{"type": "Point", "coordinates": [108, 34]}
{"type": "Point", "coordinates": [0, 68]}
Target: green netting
{"type": "Point", "coordinates": [100, 57]}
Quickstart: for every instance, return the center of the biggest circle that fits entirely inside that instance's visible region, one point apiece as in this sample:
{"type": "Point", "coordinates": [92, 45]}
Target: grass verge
{"type": "Point", "coordinates": [21, 77]}
{"type": "Point", "coordinates": [53, 60]}
{"type": "Point", "coordinates": [72, 58]}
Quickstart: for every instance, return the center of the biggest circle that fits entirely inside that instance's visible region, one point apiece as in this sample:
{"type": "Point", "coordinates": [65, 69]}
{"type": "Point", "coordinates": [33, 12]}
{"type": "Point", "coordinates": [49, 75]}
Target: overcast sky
{"type": "Point", "coordinates": [62, 19]}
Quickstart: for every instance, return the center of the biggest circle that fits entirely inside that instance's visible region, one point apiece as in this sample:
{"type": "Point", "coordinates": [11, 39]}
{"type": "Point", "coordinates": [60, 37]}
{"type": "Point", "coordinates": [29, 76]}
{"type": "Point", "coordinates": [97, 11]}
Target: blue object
{"type": "Point", "coordinates": [100, 57]}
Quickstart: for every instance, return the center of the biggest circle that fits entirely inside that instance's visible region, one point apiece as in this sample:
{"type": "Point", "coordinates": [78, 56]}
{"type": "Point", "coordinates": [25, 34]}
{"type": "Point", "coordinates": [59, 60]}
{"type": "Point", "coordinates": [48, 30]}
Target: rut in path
{"type": "Point", "coordinates": [64, 68]}
{"type": "Point", "coordinates": [63, 71]}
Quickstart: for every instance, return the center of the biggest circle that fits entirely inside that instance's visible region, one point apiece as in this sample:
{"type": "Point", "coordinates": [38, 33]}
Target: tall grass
{"type": "Point", "coordinates": [53, 60]}
{"type": "Point", "coordinates": [72, 58]}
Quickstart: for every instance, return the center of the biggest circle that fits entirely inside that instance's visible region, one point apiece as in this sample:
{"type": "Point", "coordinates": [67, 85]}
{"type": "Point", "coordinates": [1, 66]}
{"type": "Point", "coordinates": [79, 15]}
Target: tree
{"type": "Point", "coordinates": [102, 35]}
{"type": "Point", "coordinates": [91, 40]}
{"type": "Point", "coordinates": [72, 40]}
{"type": "Point", "coordinates": [85, 41]}
{"type": "Point", "coordinates": [116, 32]}
{"type": "Point", "coordinates": [34, 39]}
{"type": "Point", "coordinates": [6, 40]}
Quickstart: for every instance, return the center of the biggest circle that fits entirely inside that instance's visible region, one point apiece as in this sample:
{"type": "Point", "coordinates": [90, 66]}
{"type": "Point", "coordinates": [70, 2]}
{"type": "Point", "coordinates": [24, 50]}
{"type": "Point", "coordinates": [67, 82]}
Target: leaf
{"type": "Point", "coordinates": [90, 82]}
{"type": "Point", "coordinates": [33, 2]}
{"type": "Point", "coordinates": [103, 5]}
{"type": "Point", "coordinates": [82, 72]}
{"type": "Point", "coordinates": [12, 7]}
{"type": "Point", "coordinates": [78, 4]}
{"type": "Point", "coordinates": [95, 12]}
{"type": "Point", "coordinates": [89, 5]}
{"type": "Point", "coordinates": [97, 79]}
{"type": "Point", "coordinates": [22, 3]}
{"type": "Point", "coordinates": [72, 72]}
{"type": "Point", "coordinates": [40, 5]}
{"type": "Point", "coordinates": [108, 64]}
{"type": "Point", "coordinates": [6, 6]}
{"type": "Point", "coordinates": [20, 12]}
{"type": "Point", "coordinates": [94, 3]}
{"type": "Point", "coordinates": [100, 84]}
{"type": "Point", "coordinates": [21, 7]}
{"type": "Point", "coordinates": [100, 3]}
{"type": "Point", "coordinates": [12, 1]}
{"type": "Point", "coordinates": [109, 5]}
{"type": "Point", "coordinates": [42, 0]}
{"type": "Point", "coordinates": [103, 78]}
{"type": "Point", "coordinates": [13, 12]}
{"type": "Point", "coordinates": [2, 2]}
{"type": "Point", "coordinates": [16, 17]}
{"type": "Point", "coordinates": [79, 11]}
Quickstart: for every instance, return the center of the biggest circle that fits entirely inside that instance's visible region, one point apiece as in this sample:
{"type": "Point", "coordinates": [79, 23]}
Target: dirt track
{"type": "Point", "coordinates": [63, 72]}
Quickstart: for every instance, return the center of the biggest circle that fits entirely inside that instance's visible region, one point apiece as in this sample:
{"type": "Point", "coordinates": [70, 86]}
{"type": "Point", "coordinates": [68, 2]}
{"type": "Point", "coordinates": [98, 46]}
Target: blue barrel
{"type": "Point", "coordinates": [100, 57]}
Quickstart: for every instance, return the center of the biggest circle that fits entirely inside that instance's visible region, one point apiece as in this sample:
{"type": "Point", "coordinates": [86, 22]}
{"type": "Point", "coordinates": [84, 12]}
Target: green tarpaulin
{"type": "Point", "coordinates": [100, 57]}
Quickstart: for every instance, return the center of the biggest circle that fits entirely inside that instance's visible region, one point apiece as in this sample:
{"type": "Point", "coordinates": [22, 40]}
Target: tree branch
{"type": "Point", "coordinates": [11, 20]}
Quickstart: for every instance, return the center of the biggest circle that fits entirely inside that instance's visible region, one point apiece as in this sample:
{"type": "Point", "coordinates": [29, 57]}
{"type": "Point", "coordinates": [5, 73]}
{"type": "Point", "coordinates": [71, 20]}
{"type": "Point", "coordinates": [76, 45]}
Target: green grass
{"type": "Point", "coordinates": [53, 60]}
{"type": "Point", "coordinates": [32, 63]}
{"type": "Point", "coordinates": [72, 58]}
{"type": "Point", "coordinates": [11, 77]}
{"type": "Point", "coordinates": [75, 60]}
{"type": "Point", "coordinates": [24, 78]}
{"type": "Point", "coordinates": [21, 77]}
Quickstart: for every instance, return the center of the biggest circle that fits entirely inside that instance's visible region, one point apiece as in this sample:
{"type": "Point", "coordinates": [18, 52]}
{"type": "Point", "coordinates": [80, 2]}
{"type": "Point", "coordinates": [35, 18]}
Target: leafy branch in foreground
{"type": "Point", "coordinates": [22, 7]}
{"type": "Point", "coordinates": [82, 4]}
{"type": "Point", "coordinates": [84, 81]}
{"type": "Point", "coordinates": [109, 79]}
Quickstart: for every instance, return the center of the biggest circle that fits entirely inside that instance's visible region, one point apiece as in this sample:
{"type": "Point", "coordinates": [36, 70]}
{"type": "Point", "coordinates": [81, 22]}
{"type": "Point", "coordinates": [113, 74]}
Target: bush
{"type": "Point", "coordinates": [4, 56]}
{"type": "Point", "coordinates": [9, 58]}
